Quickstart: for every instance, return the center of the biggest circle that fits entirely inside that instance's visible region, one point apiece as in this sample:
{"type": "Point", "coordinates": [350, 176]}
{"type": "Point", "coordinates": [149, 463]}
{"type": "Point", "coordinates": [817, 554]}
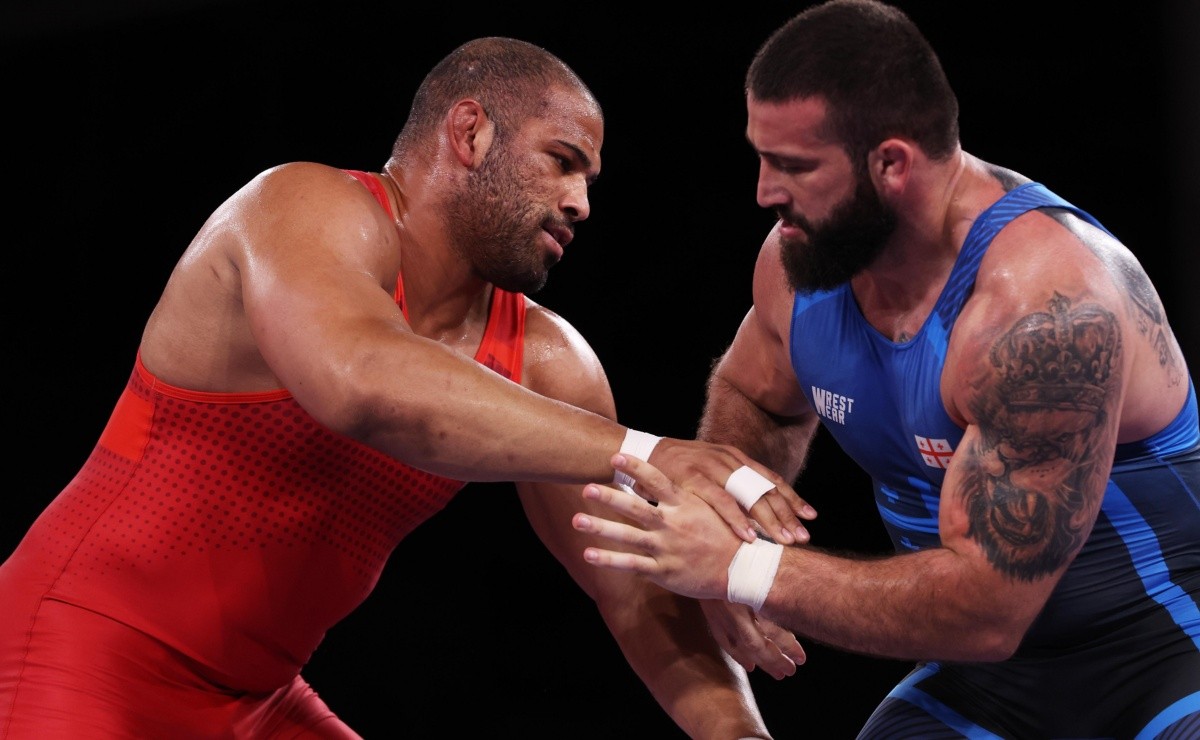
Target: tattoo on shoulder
{"type": "Point", "coordinates": [1008, 179]}
{"type": "Point", "coordinates": [1150, 318]}
{"type": "Point", "coordinates": [1035, 476]}
{"type": "Point", "coordinates": [1144, 307]}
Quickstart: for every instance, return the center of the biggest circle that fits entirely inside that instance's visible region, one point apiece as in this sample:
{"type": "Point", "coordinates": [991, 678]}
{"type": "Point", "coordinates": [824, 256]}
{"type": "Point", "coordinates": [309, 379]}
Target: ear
{"type": "Point", "coordinates": [469, 131]}
{"type": "Point", "coordinates": [890, 165]}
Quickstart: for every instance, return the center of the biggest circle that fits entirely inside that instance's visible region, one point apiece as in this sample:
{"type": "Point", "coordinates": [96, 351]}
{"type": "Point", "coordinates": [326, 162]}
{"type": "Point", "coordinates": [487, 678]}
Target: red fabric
{"type": "Point", "coordinates": [209, 542]}
{"type": "Point", "coordinates": [82, 665]}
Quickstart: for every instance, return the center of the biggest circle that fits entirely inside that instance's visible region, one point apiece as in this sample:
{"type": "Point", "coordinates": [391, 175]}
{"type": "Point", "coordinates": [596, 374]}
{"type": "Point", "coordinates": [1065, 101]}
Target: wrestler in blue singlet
{"type": "Point", "coordinates": [1126, 605]}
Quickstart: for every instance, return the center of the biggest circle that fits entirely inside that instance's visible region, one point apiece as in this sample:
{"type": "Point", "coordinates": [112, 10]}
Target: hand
{"type": "Point", "coordinates": [751, 640]}
{"type": "Point", "coordinates": [682, 543]}
{"type": "Point", "coordinates": [703, 469]}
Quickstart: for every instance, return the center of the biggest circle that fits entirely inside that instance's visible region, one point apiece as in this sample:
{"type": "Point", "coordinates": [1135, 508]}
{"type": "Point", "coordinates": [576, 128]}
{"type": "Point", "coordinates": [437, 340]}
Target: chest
{"type": "Point", "coordinates": [880, 399]}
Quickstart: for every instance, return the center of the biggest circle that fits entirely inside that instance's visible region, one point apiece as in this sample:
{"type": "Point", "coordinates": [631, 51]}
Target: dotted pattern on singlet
{"type": "Point", "coordinates": [244, 475]}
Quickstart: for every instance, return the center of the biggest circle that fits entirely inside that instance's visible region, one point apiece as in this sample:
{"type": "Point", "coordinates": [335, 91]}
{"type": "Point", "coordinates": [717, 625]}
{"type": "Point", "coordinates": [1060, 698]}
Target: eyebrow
{"type": "Point", "coordinates": [583, 158]}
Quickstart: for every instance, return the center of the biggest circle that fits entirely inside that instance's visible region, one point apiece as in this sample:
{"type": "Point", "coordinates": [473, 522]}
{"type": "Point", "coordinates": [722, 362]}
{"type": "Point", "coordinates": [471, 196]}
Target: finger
{"type": "Point", "coordinates": [760, 479]}
{"type": "Point", "coordinates": [784, 639]}
{"type": "Point", "coordinates": [750, 489]}
{"type": "Point", "coordinates": [723, 628]}
{"type": "Point", "coordinates": [792, 500]}
{"type": "Point", "coordinates": [778, 521]}
{"type": "Point", "coordinates": [773, 661]}
{"type": "Point", "coordinates": [653, 483]}
{"type": "Point", "coordinates": [658, 486]}
{"type": "Point", "coordinates": [731, 512]}
{"type": "Point", "coordinates": [619, 501]}
{"type": "Point", "coordinates": [625, 561]}
{"type": "Point", "coordinates": [620, 532]}
{"type": "Point", "coordinates": [771, 502]}
{"type": "Point", "coordinates": [756, 646]}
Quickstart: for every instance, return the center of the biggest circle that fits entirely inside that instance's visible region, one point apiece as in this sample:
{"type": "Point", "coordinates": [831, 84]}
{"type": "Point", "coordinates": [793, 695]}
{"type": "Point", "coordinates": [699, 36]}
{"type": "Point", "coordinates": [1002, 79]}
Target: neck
{"type": "Point", "coordinates": [441, 292]}
{"type": "Point", "coordinates": [937, 209]}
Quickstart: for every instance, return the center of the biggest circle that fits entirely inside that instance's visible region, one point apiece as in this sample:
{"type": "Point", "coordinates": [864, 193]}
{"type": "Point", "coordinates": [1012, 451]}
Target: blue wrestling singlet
{"type": "Point", "coordinates": [1126, 608]}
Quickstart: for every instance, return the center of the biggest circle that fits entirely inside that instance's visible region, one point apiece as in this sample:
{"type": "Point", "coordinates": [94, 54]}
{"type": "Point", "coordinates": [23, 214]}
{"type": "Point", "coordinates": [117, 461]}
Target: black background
{"type": "Point", "coordinates": [128, 122]}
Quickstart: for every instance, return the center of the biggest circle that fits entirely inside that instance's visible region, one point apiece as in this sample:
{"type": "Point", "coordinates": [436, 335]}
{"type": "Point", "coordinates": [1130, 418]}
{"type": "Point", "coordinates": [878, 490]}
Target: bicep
{"type": "Point", "coordinates": [1040, 395]}
{"type": "Point", "coordinates": [560, 364]}
{"type": "Point", "coordinates": [756, 366]}
{"type": "Point", "coordinates": [549, 508]}
{"type": "Point", "coordinates": [753, 399]}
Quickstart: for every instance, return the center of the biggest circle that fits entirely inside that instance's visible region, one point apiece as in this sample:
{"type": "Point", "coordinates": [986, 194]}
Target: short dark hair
{"type": "Point", "coordinates": [874, 69]}
{"type": "Point", "coordinates": [509, 77]}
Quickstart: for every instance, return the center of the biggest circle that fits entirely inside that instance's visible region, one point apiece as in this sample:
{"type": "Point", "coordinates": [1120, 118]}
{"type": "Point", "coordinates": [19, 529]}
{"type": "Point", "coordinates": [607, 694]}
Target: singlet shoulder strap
{"type": "Point", "coordinates": [1014, 203]}
{"type": "Point", "coordinates": [372, 183]}
{"type": "Point", "coordinates": [503, 345]}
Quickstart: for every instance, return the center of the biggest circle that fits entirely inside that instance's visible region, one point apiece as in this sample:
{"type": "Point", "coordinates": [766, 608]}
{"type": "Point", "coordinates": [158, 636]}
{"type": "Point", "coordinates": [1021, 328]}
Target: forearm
{"type": "Point", "coordinates": [927, 605]}
{"type": "Point", "coordinates": [732, 418]}
{"type": "Point", "coordinates": [704, 691]}
{"type": "Point", "coordinates": [453, 417]}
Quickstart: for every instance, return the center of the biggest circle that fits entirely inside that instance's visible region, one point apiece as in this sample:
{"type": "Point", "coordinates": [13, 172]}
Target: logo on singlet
{"type": "Point", "coordinates": [832, 406]}
{"type": "Point", "coordinates": [935, 452]}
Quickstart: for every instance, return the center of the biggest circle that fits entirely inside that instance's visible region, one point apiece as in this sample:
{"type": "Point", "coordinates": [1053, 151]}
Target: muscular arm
{"type": "Point", "coordinates": [753, 401]}
{"type": "Point", "coordinates": [290, 284]}
{"type": "Point", "coordinates": [318, 298]}
{"type": "Point", "coordinates": [1037, 372]}
{"type": "Point", "coordinates": [1020, 497]}
{"type": "Point", "coordinates": [662, 636]}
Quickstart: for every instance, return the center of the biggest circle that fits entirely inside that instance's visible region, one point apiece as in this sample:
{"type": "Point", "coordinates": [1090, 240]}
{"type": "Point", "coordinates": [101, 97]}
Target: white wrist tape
{"type": "Point", "coordinates": [747, 486]}
{"type": "Point", "coordinates": [637, 444]}
{"type": "Point", "coordinates": [752, 571]}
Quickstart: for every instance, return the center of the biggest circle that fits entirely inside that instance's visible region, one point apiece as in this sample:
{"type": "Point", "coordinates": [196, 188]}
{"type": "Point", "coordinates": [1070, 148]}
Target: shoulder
{"type": "Point", "coordinates": [1056, 291]}
{"type": "Point", "coordinates": [1034, 266]}
{"type": "Point", "coordinates": [301, 203]}
{"type": "Point", "coordinates": [307, 186]}
{"type": "Point", "coordinates": [552, 340]}
{"type": "Point", "coordinates": [1049, 251]}
{"type": "Point", "coordinates": [773, 296]}
{"type": "Point", "coordinates": [560, 363]}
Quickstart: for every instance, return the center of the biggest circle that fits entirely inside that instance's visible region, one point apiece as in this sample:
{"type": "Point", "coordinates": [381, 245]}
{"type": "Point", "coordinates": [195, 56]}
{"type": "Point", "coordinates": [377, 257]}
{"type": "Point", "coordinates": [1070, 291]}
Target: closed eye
{"type": "Point", "coordinates": [789, 166]}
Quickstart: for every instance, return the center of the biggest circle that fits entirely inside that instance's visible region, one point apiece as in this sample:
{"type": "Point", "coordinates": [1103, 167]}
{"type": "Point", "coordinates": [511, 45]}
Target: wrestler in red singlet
{"type": "Point", "coordinates": [198, 558]}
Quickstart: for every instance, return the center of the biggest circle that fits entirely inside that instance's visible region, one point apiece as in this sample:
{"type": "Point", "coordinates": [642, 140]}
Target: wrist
{"type": "Point", "coordinates": [752, 571]}
{"type": "Point", "coordinates": [636, 444]}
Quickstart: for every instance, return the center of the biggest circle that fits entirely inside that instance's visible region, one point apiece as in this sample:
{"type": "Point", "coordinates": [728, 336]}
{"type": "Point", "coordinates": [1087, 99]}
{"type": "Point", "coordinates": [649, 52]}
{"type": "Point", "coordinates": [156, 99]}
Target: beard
{"type": "Point", "coordinates": [496, 226]}
{"type": "Point", "coordinates": [842, 245]}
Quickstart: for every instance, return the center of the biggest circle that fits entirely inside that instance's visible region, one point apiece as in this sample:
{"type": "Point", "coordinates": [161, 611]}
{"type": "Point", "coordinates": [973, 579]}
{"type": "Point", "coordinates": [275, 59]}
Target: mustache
{"type": "Point", "coordinates": [558, 225]}
{"type": "Point", "coordinates": [793, 219]}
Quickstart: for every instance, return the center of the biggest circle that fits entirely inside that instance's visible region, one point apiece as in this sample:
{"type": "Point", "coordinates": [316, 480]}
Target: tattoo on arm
{"type": "Point", "coordinates": [1036, 473]}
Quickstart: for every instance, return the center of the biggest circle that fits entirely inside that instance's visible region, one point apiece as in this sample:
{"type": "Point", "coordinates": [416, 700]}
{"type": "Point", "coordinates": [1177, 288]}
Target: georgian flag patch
{"type": "Point", "coordinates": [935, 452]}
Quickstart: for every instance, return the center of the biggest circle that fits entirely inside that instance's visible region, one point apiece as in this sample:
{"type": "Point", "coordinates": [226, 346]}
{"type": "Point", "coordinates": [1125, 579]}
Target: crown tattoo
{"type": "Point", "coordinates": [1060, 359]}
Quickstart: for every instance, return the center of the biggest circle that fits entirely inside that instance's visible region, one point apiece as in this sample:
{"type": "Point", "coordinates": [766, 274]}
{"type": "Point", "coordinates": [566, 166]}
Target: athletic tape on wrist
{"type": "Point", "coordinates": [747, 486]}
{"type": "Point", "coordinates": [752, 571]}
{"type": "Point", "coordinates": [636, 444]}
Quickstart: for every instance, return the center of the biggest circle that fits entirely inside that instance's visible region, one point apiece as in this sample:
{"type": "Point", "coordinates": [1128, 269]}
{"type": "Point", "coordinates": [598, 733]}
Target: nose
{"type": "Point", "coordinates": [770, 191]}
{"type": "Point", "coordinates": [575, 202]}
